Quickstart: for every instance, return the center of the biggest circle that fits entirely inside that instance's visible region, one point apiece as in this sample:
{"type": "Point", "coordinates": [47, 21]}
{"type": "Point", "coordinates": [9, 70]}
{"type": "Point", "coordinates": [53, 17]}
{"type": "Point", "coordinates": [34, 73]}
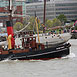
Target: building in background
{"type": "Point", "coordinates": [34, 1]}
{"type": "Point", "coordinates": [28, 7]}
{"type": "Point", "coordinates": [53, 9]}
{"type": "Point", "coordinates": [66, 7]}
{"type": "Point", "coordinates": [19, 10]}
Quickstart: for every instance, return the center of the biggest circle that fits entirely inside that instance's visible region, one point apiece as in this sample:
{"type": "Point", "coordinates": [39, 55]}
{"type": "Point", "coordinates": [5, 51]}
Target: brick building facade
{"type": "Point", "coordinates": [4, 10]}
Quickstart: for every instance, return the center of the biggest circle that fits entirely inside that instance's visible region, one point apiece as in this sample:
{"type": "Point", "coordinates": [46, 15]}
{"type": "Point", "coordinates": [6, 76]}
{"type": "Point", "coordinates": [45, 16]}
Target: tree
{"type": "Point", "coordinates": [25, 21]}
{"type": "Point", "coordinates": [56, 22]}
{"type": "Point", "coordinates": [49, 23]}
{"type": "Point", "coordinates": [62, 18]}
{"type": "Point", "coordinates": [18, 26]}
{"type": "Point", "coordinates": [32, 23]}
{"type": "Point", "coordinates": [52, 23]}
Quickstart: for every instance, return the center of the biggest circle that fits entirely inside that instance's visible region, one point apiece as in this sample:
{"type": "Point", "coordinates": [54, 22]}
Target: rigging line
{"type": "Point", "coordinates": [23, 28]}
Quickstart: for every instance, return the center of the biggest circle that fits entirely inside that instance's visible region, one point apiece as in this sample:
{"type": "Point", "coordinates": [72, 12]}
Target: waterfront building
{"type": "Point", "coordinates": [19, 5]}
{"type": "Point", "coordinates": [53, 9]}
{"type": "Point", "coordinates": [34, 1]}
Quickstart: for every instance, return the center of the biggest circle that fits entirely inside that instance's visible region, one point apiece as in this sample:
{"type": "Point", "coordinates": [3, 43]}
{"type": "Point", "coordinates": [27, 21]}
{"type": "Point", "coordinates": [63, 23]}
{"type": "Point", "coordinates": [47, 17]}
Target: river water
{"type": "Point", "coordinates": [64, 67]}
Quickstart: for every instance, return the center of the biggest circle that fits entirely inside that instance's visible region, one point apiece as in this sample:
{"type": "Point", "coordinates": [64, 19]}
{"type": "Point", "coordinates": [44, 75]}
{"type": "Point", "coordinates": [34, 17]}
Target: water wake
{"type": "Point", "coordinates": [6, 60]}
{"type": "Point", "coordinates": [71, 55]}
{"type": "Point", "coordinates": [35, 60]}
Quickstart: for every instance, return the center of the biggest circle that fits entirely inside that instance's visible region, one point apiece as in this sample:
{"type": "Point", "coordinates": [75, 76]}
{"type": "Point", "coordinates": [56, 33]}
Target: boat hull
{"type": "Point", "coordinates": [74, 35]}
{"type": "Point", "coordinates": [48, 53]}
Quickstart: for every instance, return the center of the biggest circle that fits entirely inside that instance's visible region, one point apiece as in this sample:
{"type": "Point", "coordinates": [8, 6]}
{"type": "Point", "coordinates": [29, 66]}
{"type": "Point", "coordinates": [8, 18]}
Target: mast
{"type": "Point", "coordinates": [36, 23]}
{"type": "Point", "coordinates": [37, 29]}
{"type": "Point", "coordinates": [44, 15]}
{"type": "Point", "coordinates": [10, 10]}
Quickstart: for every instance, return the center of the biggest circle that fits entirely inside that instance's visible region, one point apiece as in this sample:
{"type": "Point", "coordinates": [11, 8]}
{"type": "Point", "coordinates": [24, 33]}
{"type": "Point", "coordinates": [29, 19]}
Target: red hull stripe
{"type": "Point", "coordinates": [41, 59]}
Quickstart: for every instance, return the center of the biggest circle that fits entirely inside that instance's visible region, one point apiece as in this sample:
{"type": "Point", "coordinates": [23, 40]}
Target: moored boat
{"type": "Point", "coordinates": [74, 31]}
{"type": "Point", "coordinates": [74, 34]}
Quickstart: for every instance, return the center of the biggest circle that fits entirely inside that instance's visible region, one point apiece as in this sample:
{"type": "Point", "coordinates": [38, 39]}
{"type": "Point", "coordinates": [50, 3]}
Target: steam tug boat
{"type": "Point", "coordinates": [30, 48]}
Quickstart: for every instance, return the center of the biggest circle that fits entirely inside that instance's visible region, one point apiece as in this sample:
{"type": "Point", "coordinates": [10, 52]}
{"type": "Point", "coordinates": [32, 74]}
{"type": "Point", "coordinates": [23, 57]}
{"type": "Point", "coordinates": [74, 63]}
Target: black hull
{"type": "Point", "coordinates": [49, 53]}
